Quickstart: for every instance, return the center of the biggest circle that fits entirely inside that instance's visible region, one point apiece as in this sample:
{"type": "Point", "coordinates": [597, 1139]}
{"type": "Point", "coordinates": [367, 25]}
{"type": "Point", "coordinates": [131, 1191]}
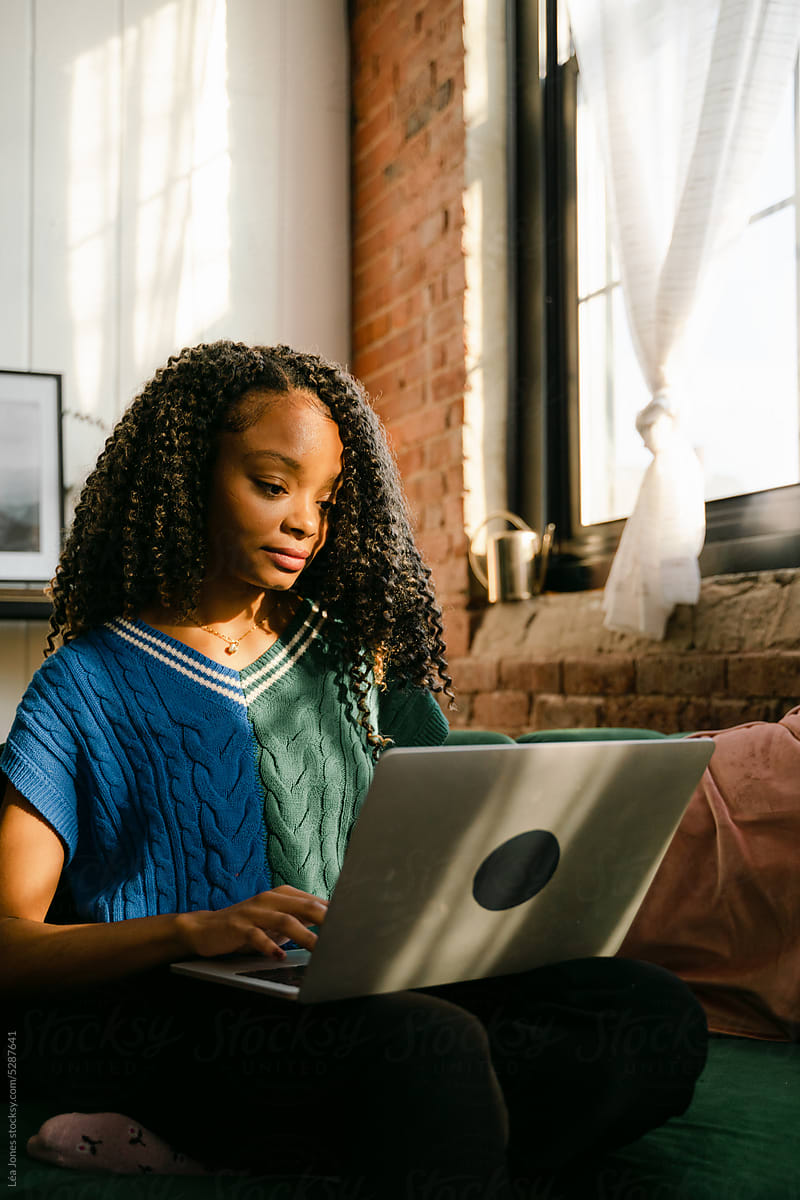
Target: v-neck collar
{"type": "Point", "coordinates": [242, 686]}
{"type": "Point", "coordinates": [290, 647]}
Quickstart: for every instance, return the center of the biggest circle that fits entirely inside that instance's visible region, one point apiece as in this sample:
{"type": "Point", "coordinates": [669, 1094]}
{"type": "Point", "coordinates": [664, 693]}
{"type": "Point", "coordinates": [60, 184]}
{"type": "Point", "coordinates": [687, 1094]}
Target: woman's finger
{"type": "Point", "coordinates": [258, 940]}
{"type": "Point", "coordinates": [307, 908]}
{"type": "Point", "coordinates": [287, 889]}
{"type": "Point", "coordinates": [278, 924]}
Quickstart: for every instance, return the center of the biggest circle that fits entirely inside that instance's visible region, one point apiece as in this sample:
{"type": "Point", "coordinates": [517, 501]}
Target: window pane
{"type": "Point", "coordinates": [741, 405]}
{"type": "Point", "coordinates": [592, 219]}
{"type": "Point", "coordinates": [612, 390]}
{"type": "Point", "coordinates": [741, 408]}
{"type": "Point", "coordinates": [775, 178]}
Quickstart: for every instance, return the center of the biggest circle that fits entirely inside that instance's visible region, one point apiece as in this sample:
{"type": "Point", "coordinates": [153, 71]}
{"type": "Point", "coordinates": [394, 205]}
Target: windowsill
{"type": "Point", "coordinates": [24, 601]}
{"type": "Point", "coordinates": [757, 532]}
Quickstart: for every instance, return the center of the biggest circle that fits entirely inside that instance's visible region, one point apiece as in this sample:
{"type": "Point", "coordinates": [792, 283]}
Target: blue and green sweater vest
{"type": "Point", "coordinates": [180, 784]}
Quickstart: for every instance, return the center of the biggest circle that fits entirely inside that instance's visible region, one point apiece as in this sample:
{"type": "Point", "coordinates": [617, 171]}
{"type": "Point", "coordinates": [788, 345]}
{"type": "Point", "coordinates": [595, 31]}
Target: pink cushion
{"type": "Point", "coordinates": [723, 911]}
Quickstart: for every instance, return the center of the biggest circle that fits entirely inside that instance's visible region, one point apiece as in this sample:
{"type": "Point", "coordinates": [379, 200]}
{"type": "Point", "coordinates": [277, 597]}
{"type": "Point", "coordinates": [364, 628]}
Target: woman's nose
{"type": "Point", "coordinates": [304, 517]}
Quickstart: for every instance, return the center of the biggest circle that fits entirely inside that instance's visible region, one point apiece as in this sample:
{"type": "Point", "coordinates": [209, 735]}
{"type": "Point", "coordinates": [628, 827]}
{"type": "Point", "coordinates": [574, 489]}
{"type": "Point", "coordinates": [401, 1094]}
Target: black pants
{"type": "Point", "coordinates": [426, 1093]}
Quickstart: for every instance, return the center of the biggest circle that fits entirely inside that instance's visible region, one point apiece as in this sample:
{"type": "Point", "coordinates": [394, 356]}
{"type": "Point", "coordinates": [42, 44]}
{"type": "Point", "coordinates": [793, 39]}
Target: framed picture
{"type": "Point", "coordinates": [31, 493]}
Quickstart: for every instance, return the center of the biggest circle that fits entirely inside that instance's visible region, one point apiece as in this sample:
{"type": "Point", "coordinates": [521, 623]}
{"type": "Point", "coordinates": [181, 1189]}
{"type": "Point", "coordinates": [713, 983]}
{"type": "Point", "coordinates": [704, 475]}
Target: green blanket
{"type": "Point", "coordinates": [739, 1140]}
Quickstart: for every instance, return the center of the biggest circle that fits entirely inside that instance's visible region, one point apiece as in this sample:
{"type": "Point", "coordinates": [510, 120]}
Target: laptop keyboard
{"type": "Point", "coordinates": [290, 976]}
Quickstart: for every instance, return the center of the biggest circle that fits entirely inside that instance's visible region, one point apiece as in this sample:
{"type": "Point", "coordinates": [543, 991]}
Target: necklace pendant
{"type": "Point", "coordinates": [232, 648]}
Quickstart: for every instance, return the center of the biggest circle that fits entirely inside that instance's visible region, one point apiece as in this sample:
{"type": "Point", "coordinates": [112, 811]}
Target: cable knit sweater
{"type": "Point", "coordinates": [178, 784]}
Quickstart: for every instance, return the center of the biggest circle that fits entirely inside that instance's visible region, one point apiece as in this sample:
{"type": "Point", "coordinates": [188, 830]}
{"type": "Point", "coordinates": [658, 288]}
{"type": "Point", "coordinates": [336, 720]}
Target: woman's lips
{"type": "Point", "coordinates": [285, 560]}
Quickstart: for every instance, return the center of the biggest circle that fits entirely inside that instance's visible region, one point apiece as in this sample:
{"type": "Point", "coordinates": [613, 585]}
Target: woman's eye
{"type": "Point", "coordinates": [270, 489]}
{"type": "Point", "coordinates": [326, 505]}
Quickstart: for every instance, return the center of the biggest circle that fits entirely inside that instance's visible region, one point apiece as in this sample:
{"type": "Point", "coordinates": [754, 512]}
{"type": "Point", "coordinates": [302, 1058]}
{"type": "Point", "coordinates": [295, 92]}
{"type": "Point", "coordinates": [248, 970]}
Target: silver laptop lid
{"type": "Point", "coordinates": [472, 861]}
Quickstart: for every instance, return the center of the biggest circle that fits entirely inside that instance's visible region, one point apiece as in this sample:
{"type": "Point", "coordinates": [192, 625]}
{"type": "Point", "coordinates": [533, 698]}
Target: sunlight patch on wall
{"type": "Point", "coordinates": [178, 145]}
{"type": "Point", "coordinates": [92, 211]}
{"type": "Point", "coordinates": [148, 197]}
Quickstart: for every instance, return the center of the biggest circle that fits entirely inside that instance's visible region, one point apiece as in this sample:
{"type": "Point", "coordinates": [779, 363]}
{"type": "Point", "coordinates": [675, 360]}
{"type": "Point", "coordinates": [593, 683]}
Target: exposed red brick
{"type": "Point", "coordinates": [444, 258]}
{"type": "Point", "coordinates": [502, 711]}
{"type": "Point", "coordinates": [409, 308]}
{"type": "Point", "coordinates": [394, 349]}
{"type": "Point", "coordinates": [457, 631]}
{"type": "Point", "coordinates": [474, 674]}
{"type": "Point", "coordinates": [432, 517]}
{"type": "Point", "coordinates": [448, 317]}
{"type": "Point", "coordinates": [609, 674]}
{"type": "Point", "coordinates": [453, 513]}
{"type": "Point", "coordinates": [372, 191]}
{"type": "Point", "coordinates": [372, 330]}
{"type": "Point", "coordinates": [445, 450]}
{"type": "Point", "coordinates": [423, 488]}
{"type": "Point", "coordinates": [726, 713]}
{"type": "Point", "coordinates": [530, 675]}
{"type": "Point", "coordinates": [661, 713]}
{"type": "Point", "coordinates": [420, 425]}
{"type": "Point", "coordinates": [436, 546]}
{"type": "Point", "coordinates": [680, 675]}
{"type": "Point", "coordinates": [408, 269]}
{"type": "Point", "coordinates": [410, 460]}
{"type": "Point", "coordinates": [416, 368]}
{"type": "Point", "coordinates": [450, 349]}
{"type": "Point", "coordinates": [694, 714]}
{"type": "Point", "coordinates": [440, 357]}
{"type": "Point", "coordinates": [397, 401]}
{"type": "Point", "coordinates": [450, 577]}
{"type": "Point", "coordinates": [765, 674]}
{"type": "Point", "coordinates": [567, 712]}
{"type": "Point", "coordinates": [378, 123]}
{"type": "Point", "coordinates": [371, 161]}
{"type": "Point", "coordinates": [454, 479]}
{"type": "Point", "coordinates": [448, 384]}
{"type": "Point", "coordinates": [371, 286]}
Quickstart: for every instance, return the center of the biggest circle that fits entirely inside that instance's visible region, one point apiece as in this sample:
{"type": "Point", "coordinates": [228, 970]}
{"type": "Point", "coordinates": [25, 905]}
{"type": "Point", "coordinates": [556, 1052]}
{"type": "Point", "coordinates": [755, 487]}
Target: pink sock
{"type": "Point", "coordinates": [110, 1142]}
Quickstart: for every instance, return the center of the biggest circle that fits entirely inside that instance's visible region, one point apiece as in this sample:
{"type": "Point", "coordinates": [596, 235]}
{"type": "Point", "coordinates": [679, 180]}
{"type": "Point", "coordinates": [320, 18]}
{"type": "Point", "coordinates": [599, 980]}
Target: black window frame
{"type": "Point", "coordinates": [753, 532]}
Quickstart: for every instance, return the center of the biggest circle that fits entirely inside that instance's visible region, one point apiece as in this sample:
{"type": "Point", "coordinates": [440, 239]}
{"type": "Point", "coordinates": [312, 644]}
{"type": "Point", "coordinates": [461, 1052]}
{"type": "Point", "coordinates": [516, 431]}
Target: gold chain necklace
{"type": "Point", "coordinates": [233, 643]}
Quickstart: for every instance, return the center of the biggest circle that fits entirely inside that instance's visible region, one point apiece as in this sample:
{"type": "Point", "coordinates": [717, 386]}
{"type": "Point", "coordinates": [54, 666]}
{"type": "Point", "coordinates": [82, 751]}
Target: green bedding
{"type": "Point", "coordinates": [739, 1140]}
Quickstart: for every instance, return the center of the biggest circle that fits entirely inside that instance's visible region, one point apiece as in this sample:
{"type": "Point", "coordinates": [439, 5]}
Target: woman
{"type": "Point", "coordinates": [246, 623]}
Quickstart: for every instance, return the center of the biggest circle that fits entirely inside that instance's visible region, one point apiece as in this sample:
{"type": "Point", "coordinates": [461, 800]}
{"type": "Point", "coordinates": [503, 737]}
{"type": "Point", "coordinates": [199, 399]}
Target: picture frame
{"type": "Point", "coordinates": [31, 479]}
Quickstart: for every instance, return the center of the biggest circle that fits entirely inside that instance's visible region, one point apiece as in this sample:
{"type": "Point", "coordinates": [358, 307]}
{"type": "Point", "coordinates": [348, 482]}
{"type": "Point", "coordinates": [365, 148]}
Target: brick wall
{"type": "Point", "coordinates": [408, 266]}
{"type": "Point", "coordinates": [670, 693]}
{"type": "Point", "coordinates": [550, 663]}
{"type": "Point", "coordinates": [547, 664]}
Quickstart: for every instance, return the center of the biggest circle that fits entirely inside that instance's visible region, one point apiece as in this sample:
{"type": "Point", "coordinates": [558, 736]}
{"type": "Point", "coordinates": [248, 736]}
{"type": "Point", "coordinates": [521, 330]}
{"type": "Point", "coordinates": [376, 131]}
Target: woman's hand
{"type": "Point", "coordinates": [258, 925]}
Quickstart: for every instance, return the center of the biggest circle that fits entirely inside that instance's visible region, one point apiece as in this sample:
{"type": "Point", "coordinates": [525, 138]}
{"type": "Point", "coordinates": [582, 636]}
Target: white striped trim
{"type": "Point", "coordinates": [290, 654]}
{"type": "Point", "coordinates": [175, 658]}
{"type": "Point", "coordinates": [155, 640]}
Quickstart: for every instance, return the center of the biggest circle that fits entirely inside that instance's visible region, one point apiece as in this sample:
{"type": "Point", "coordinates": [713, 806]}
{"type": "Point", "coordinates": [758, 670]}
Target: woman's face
{"type": "Point", "coordinates": [271, 488]}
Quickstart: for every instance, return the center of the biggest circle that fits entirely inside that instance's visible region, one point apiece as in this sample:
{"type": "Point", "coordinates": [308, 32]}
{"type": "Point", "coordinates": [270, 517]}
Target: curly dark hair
{"type": "Point", "coordinates": [139, 535]}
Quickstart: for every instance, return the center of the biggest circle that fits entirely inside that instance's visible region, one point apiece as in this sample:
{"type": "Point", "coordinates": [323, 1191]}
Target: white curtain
{"type": "Point", "coordinates": [683, 94]}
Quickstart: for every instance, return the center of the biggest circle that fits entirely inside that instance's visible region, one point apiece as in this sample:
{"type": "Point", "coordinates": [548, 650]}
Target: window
{"type": "Point", "coordinates": [577, 411]}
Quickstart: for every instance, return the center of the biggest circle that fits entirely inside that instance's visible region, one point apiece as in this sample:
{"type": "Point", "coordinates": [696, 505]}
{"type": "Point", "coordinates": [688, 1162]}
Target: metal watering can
{"type": "Point", "coordinates": [514, 565]}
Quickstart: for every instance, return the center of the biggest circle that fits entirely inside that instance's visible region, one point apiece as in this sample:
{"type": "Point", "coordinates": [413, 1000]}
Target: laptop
{"type": "Point", "coordinates": [472, 861]}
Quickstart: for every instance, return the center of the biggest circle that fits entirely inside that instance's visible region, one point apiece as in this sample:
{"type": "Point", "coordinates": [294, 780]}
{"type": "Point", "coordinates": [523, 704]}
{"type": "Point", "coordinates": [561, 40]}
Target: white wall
{"type": "Point", "coordinates": [173, 171]}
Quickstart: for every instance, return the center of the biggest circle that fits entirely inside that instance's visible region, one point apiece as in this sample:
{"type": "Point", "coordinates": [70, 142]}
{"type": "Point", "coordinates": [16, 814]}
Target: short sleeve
{"type": "Point", "coordinates": [410, 716]}
{"type": "Point", "coordinates": [40, 757]}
